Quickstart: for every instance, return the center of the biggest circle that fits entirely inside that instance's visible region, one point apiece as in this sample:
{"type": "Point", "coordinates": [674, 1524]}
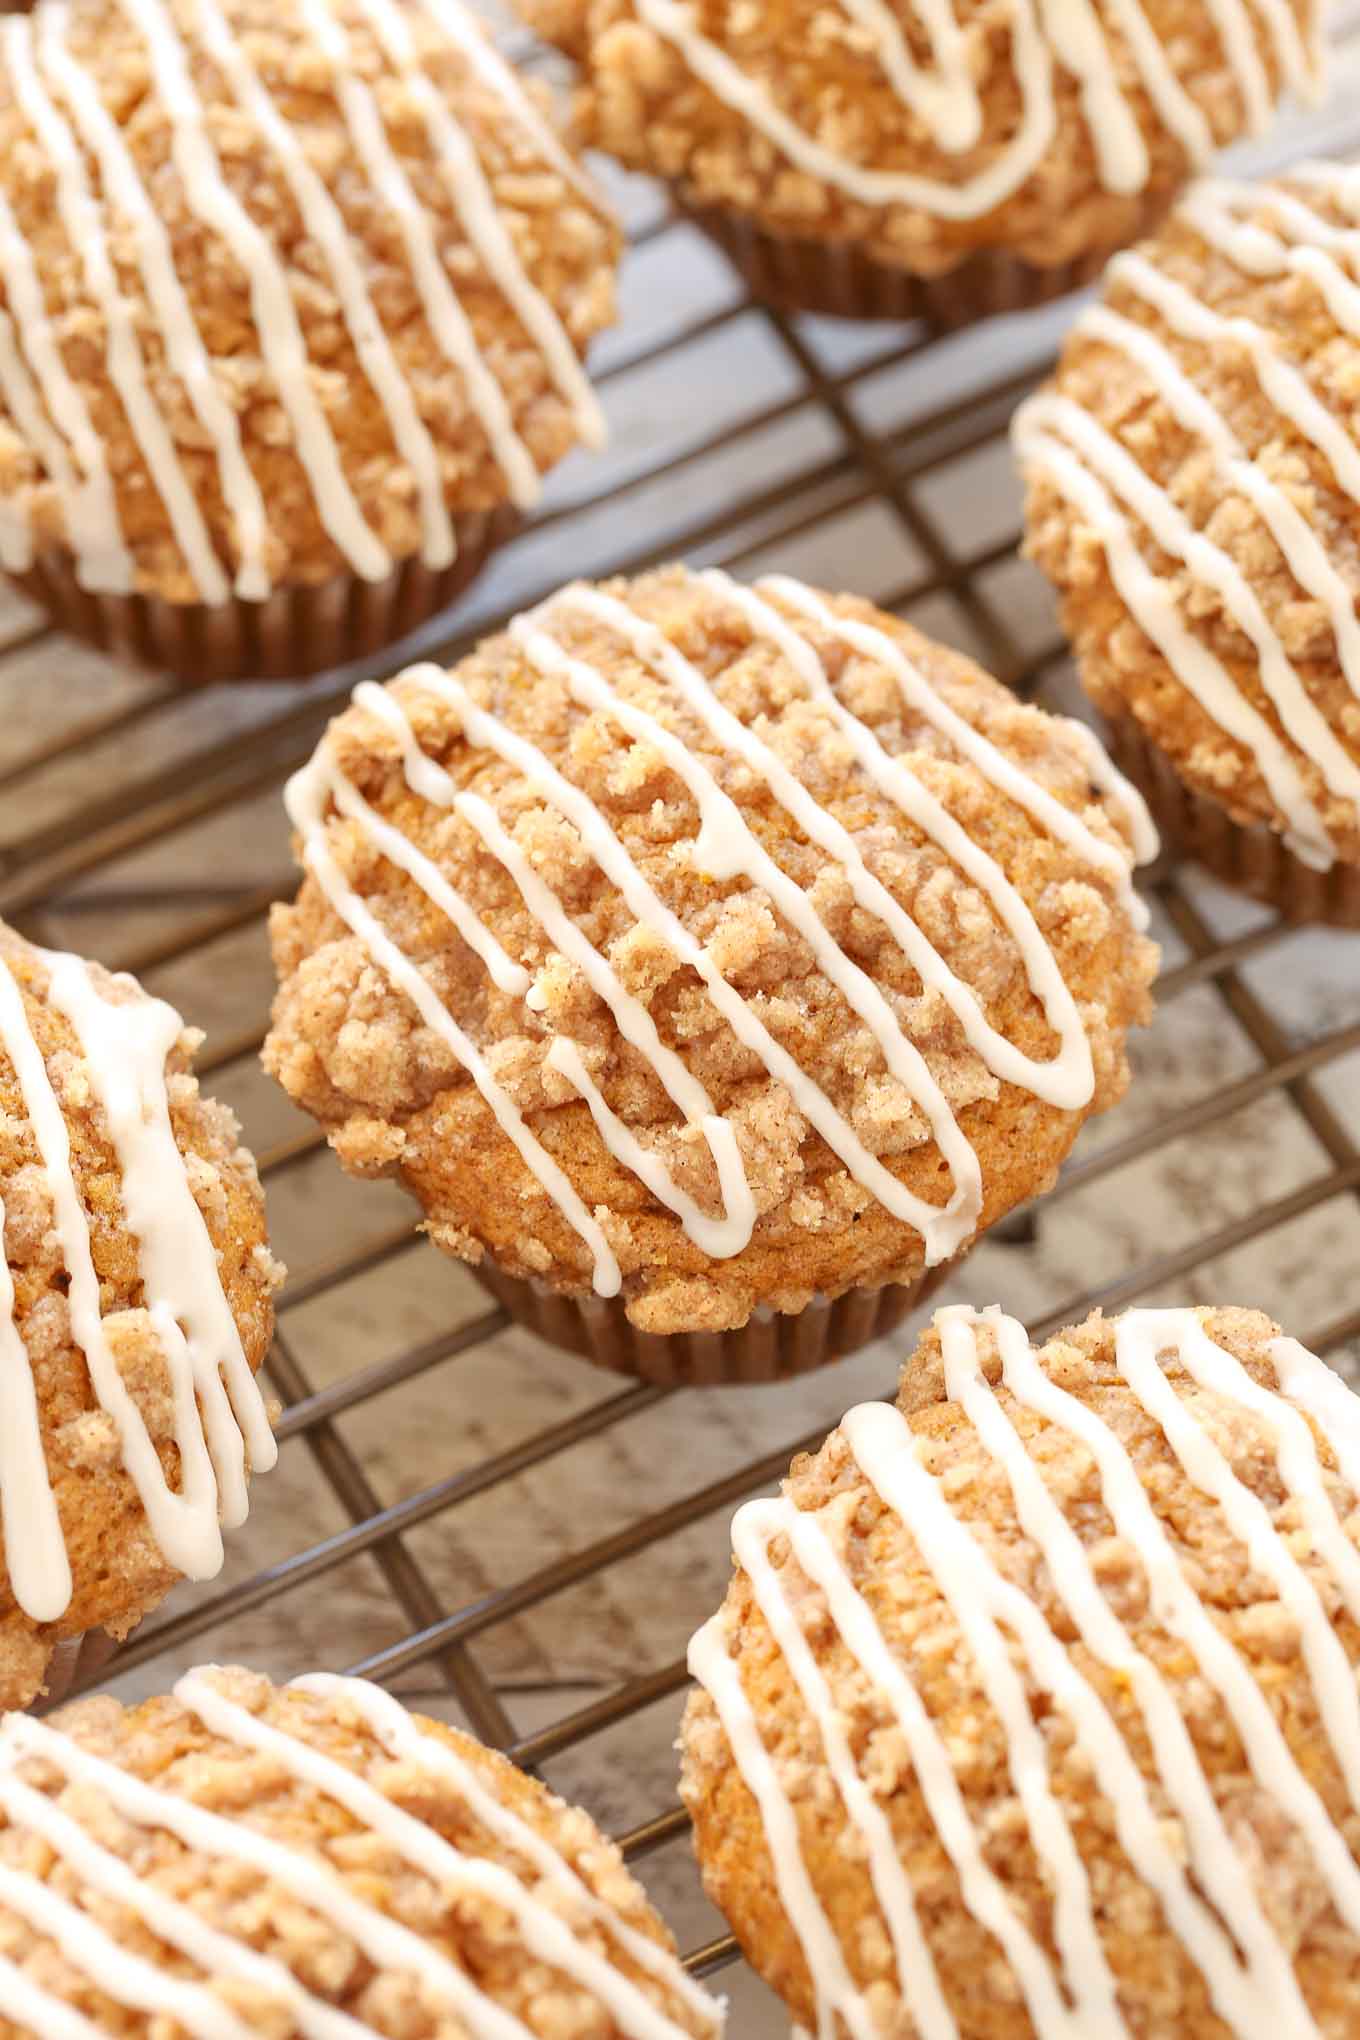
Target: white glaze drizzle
{"type": "Point", "coordinates": [306, 797]}
{"type": "Point", "coordinates": [325, 224]}
{"type": "Point", "coordinates": [547, 1934]}
{"type": "Point", "coordinates": [1046, 35]}
{"type": "Point", "coordinates": [80, 218]}
{"type": "Point", "coordinates": [89, 506]}
{"type": "Point", "coordinates": [1250, 1976]}
{"type": "Point", "coordinates": [47, 405]}
{"type": "Point", "coordinates": [475, 203]}
{"type": "Point", "coordinates": [1316, 255]}
{"type": "Point", "coordinates": [1154, 603]}
{"type": "Point", "coordinates": [220, 1420]}
{"type": "Point", "coordinates": [726, 846]}
{"type": "Point", "coordinates": [100, 135]}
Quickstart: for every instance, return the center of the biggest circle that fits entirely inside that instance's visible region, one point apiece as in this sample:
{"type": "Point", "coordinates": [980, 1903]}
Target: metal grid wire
{"type": "Point", "coordinates": [144, 826]}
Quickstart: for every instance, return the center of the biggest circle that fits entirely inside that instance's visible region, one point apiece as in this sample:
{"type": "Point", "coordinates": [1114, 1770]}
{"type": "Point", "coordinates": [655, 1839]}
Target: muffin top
{"type": "Point", "coordinates": [929, 130]}
{"type": "Point", "coordinates": [1032, 1712]}
{"type": "Point", "coordinates": [241, 1860]}
{"type": "Point", "coordinates": [286, 283]}
{"type": "Point", "coordinates": [717, 945]}
{"type": "Point", "coordinates": [1194, 493]}
{"type": "Point", "coordinates": [135, 1288]}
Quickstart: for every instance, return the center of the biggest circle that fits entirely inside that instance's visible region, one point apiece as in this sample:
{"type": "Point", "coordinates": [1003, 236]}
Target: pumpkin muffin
{"type": "Point", "coordinates": [239, 1859]}
{"type": "Point", "coordinates": [1032, 1710]}
{"type": "Point", "coordinates": [296, 294]}
{"type": "Point", "coordinates": [1193, 477]}
{"type": "Point", "coordinates": [712, 963]}
{"type": "Point", "coordinates": [894, 159]}
{"type": "Point", "coordinates": [135, 1312]}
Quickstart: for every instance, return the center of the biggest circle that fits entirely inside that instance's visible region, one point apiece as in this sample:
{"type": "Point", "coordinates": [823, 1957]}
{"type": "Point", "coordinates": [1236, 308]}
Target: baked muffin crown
{"type": "Point", "coordinates": [312, 1860]}
{"type": "Point", "coordinates": [927, 132]}
{"type": "Point", "coordinates": [1194, 492]}
{"type": "Point", "coordinates": [707, 940]}
{"type": "Point", "coordinates": [135, 1310]}
{"type": "Point", "coordinates": [1032, 1709]}
{"type": "Point", "coordinates": [287, 286]}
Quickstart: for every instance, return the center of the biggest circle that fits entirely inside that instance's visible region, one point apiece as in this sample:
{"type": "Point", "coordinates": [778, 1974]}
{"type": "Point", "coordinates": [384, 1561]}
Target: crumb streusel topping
{"type": "Point", "coordinates": [135, 1288]}
{"type": "Point", "coordinates": [287, 283]}
{"type": "Point", "coordinates": [1194, 492]}
{"type": "Point", "coordinates": [697, 940]}
{"type": "Point", "coordinates": [926, 132]}
{"type": "Point", "coordinates": [241, 1860]}
{"type": "Point", "coordinates": [1032, 1710]}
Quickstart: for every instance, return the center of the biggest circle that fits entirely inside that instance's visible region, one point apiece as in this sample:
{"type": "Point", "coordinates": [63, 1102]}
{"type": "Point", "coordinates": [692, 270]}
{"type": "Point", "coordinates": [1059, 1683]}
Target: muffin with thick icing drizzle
{"type": "Point", "coordinates": [1032, 1712]}
{"type": "Point", "coordinates": [135, 1312]}
{"type": "Point", "coordinates": [311, 1860]}
{"type": "Point", "coordinates": [714, 963]}
{"type": "Point", "coordinates": [903, 158]}
{"type": "Point", "coordinates": [295, 299]}
{"type": "Point", "coordinates": [1194, 494]}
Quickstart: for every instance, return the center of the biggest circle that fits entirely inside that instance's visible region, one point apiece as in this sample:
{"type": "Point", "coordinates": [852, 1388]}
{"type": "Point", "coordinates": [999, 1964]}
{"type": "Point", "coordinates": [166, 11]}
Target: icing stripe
{"type": "Point", "coordinates": [548, 1936]}
{"type": "Point", "coordinates": [89, 506]}
{"type": "Point", "coordinates": [726, 1236]}
{"type": "Point", "coordinates": [35, 1547]}
{"type": "Point", "coordinates": [219, 1412]}
{"type": "Point", "coordinates": [173, 1922]}
{"type": "Point", "coordinates": [84, 229]}
{"type": "Point", "coordinates": [388, 1720]}
{"type": "Point", "coordinates": [476, 206]}
{"type": "Point", "coordinates": [1247, 1969]}
{"type": "Point", "coordinates": [726, 846]}
{"type": "Point", "coordinates": [1153, 603]}
{"type": "Point", "coordinates": [305, 798]}
{"type": "Point", "coordinates": [1046, 36]}
{"type": "Point", "coordinates": [283, 348]}
{"type": "Point", "coordinates": [184, 348]}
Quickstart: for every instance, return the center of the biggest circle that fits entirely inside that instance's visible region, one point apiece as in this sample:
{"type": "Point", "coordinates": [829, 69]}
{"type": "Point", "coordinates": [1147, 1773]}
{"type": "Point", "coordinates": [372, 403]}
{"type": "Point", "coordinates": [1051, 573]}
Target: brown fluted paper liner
{"type": "Point", "coordinates": [773, 1346]}
{"type": "Point", "coordinates": [838, 278]}
{"type": "Point", "coordinates": [1252, 858]}
{"type": "Point", "coordinates": [76, 1660]}
{"type": "Point", "coordinates": [294, 633]}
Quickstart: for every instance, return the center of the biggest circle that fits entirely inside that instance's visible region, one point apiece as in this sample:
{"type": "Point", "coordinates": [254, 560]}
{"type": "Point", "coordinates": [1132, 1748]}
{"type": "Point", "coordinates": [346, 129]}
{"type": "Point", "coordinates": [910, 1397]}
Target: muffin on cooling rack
{"type": "Point", "coordinates": [713, 963]}
{"type": "Point", "coordinates": [296, 297]}
{"type": "Point", "coordinates": [1032, 1710]}
{"type": "Point", "coordinates": [135, 1312]}
{"type": "Point", "coordinates": [897, 159]}
{"type": "Point", "coordinates": [1194, 493]}
{"type": "Point", "coordinates": [243, 1859]}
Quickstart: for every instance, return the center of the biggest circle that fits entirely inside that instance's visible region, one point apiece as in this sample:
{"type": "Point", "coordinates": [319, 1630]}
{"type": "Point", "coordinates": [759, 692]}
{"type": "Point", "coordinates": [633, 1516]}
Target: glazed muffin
{"type": "Point", "coordinates": [135, 1313]}
{"type": "Point", "coordinates": [713, 963]}
{"type": "Point", "coordinates": [1032, 1710]}
{"type": "Point", "coordinates": [242, 1859]}
{"type": "Point", "coordinates": [296, 292]}
{"type": "Point", "coordinates": [1194, 493]}
{"type": "Point", "coordinates": [892, 159]}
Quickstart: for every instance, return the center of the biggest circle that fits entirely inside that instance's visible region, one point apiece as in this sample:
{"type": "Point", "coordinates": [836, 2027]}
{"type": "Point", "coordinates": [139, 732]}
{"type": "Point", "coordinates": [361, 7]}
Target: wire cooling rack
{"type": "Point", "coordinates": [502, 1533]}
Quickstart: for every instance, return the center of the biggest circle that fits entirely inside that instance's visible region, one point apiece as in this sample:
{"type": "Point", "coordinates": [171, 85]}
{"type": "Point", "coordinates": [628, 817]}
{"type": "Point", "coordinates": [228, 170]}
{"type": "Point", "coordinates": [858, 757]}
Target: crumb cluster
{"type": "Point", "coordinates": [641, 101]}
{"type": "Point", "coordinates": [1161, 1990]}
{"type": "Point", "coordinates": [1121, 667]}
{"type": "Point", "coordinates": [352, 1050]}
{"type": "Point", "coordinates": [118, 1570]}
{"type": "Point", "coordinates": [565, 240]}
{"type": "Point", "coordinates": [163, 1743]}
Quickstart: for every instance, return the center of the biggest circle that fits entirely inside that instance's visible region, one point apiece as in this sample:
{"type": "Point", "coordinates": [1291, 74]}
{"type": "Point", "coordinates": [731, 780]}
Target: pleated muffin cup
{"type": "Point", "coordinates": [1251, 858]}
{"type": "Point", "coordinates": [291, 635]}
{"type": "Point", "coordinates": [841, 280]}
{"type": "Point", "coordinates": [76, 1662]}
{"type": "Point", "coordinates": [774, 1345]}
{"type": "Point", "coordinates": [706, 961]}
{"type": "Point", "coordinates": [340, 356]}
